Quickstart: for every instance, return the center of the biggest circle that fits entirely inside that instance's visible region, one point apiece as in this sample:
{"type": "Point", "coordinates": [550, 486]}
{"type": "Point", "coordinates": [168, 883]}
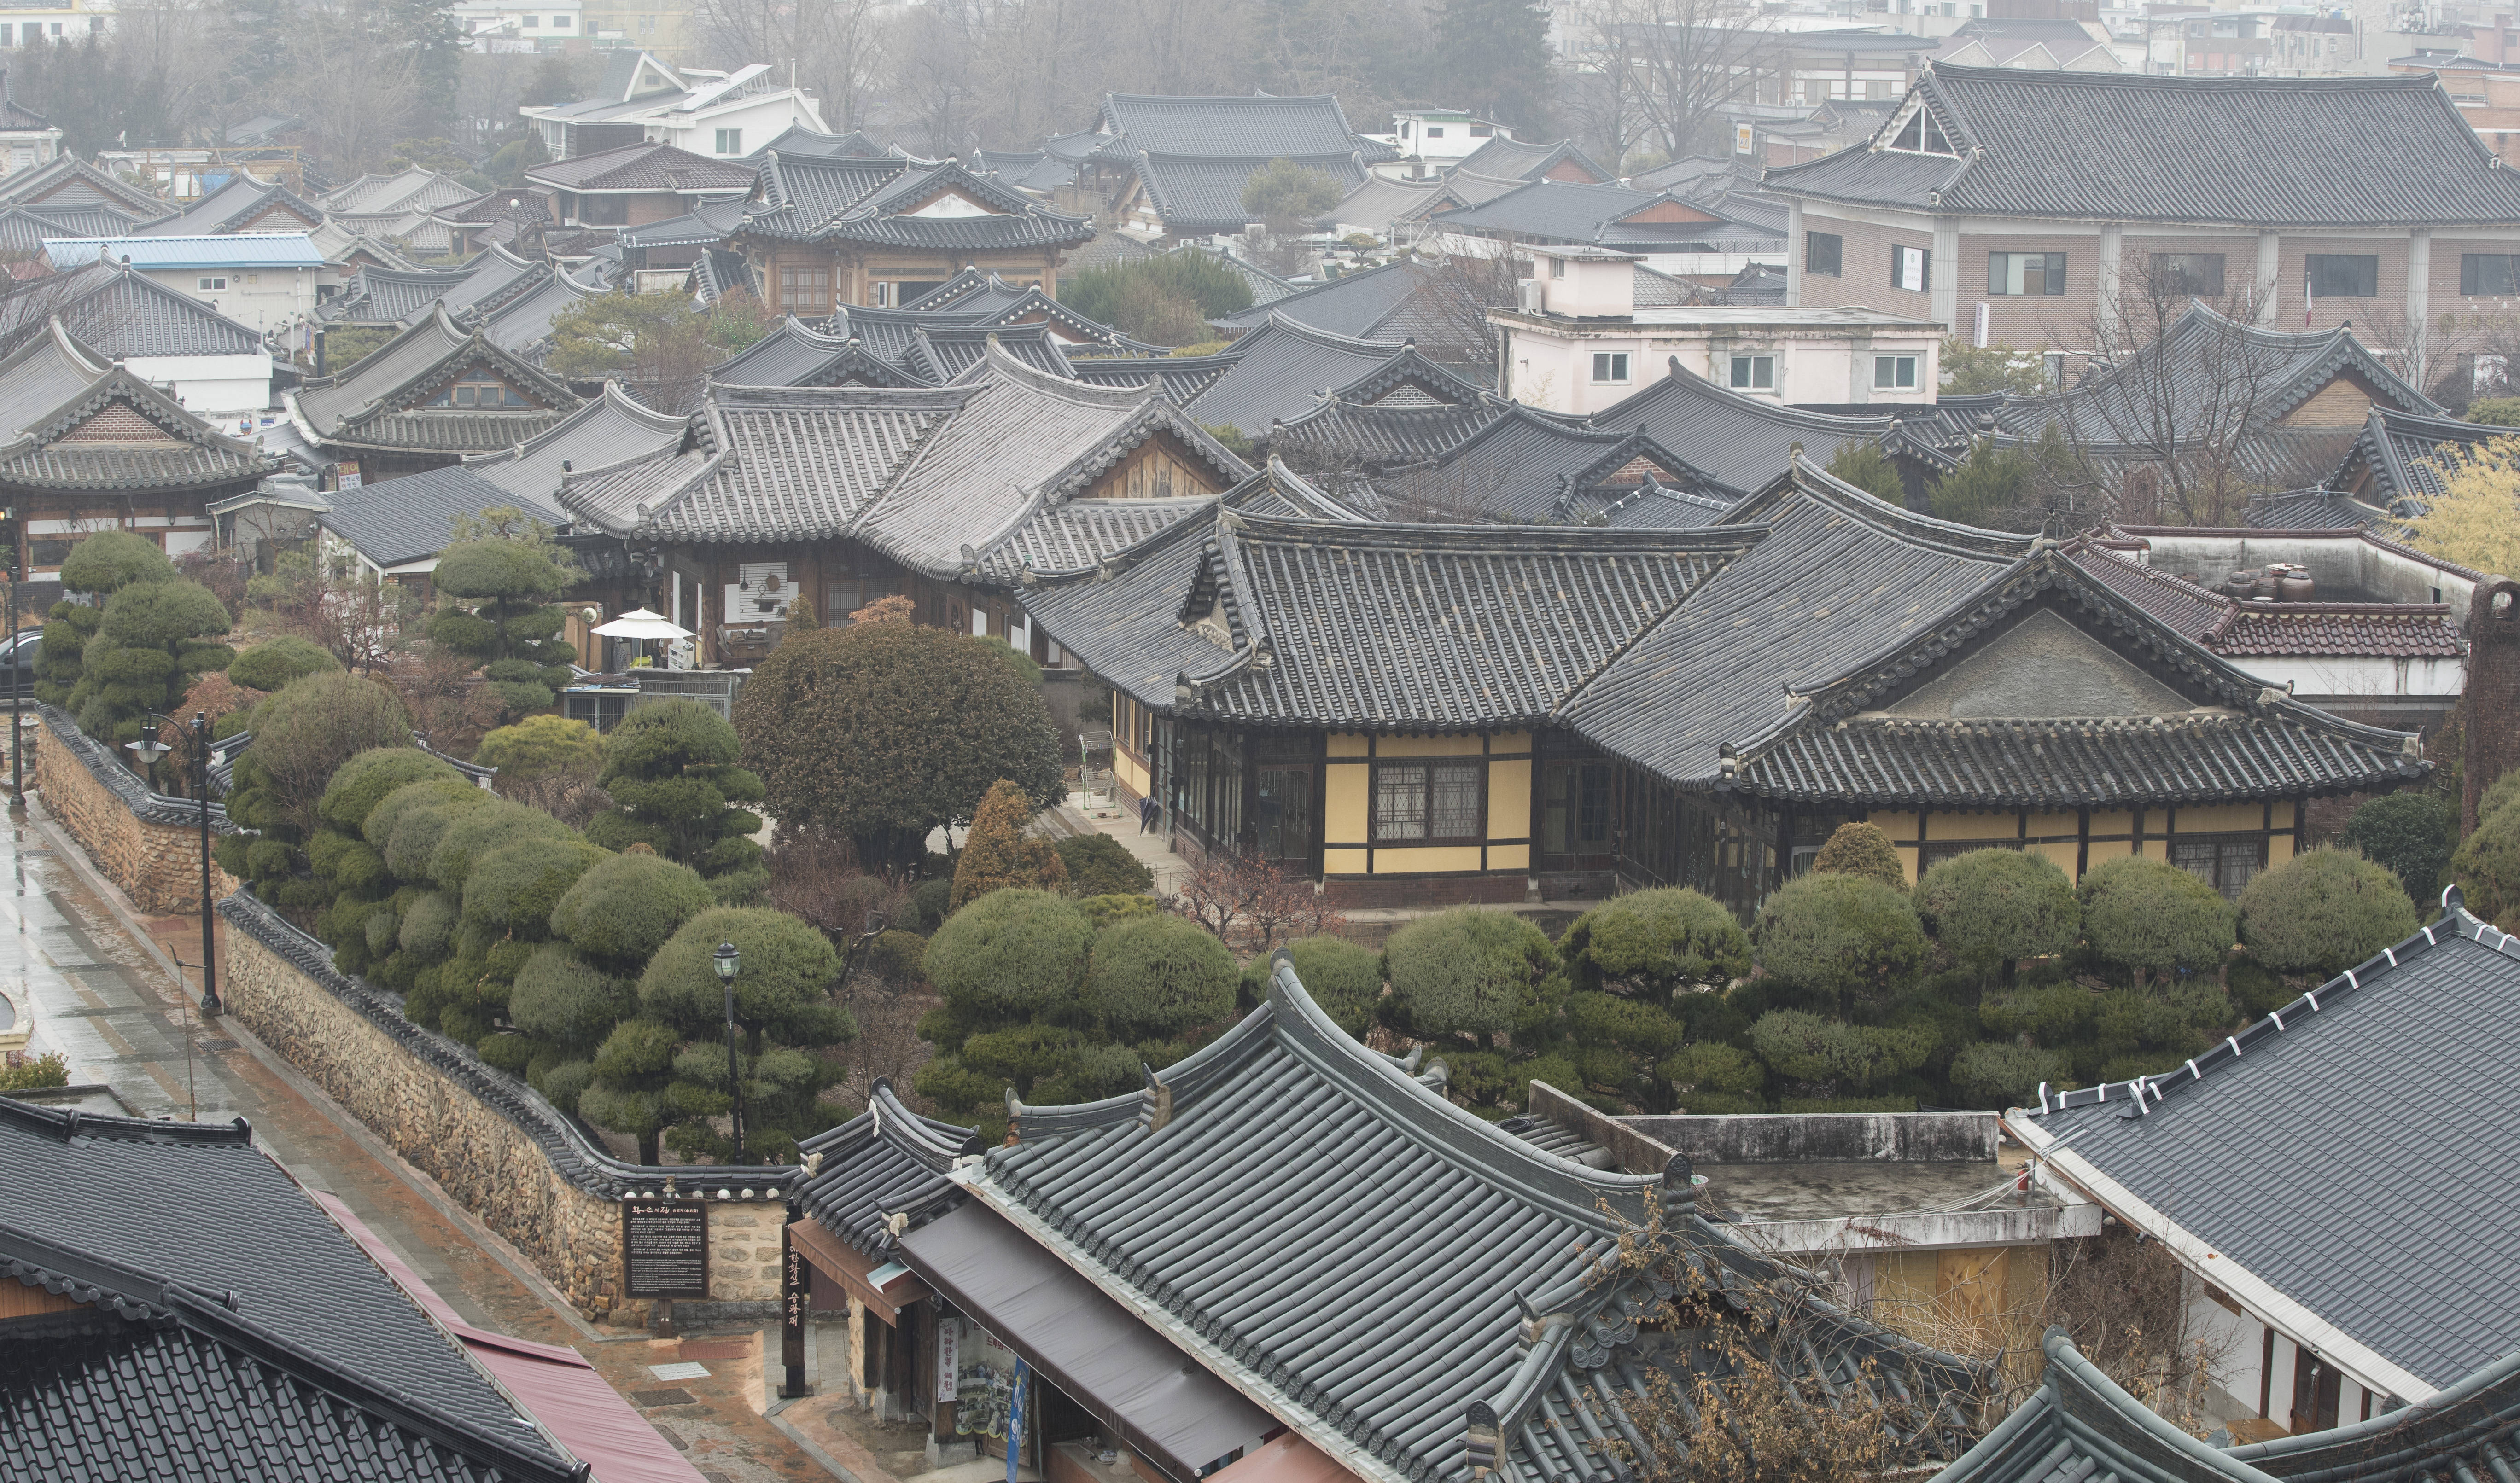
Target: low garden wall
{"type": "Point", "coordinates": [146, 842]}
{"type": "Point", "coordinates": [489, 1140]}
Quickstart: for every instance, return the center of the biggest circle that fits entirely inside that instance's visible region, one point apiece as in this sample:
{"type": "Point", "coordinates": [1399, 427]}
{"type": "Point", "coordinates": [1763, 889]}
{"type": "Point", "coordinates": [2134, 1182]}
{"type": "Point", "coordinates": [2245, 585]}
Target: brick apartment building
{"type": "Point", "coordinates": [2030, 208]}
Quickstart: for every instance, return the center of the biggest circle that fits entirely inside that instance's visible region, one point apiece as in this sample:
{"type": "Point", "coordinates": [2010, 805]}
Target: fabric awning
{"type": "Point", "coordinates": [1155, 1397]}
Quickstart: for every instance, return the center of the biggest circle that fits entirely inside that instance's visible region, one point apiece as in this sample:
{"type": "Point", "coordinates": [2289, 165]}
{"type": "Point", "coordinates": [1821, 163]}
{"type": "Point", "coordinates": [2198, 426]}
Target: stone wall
{"type": "Point", "coordinates": [489, 1140]}
{"type": "Point", "coordinates": [146, 842]}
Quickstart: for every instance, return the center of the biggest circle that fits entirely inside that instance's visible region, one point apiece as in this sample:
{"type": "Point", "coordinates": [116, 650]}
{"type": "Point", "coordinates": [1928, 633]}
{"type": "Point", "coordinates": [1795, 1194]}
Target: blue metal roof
{"type": "Point", "coordinates": [232, 250]}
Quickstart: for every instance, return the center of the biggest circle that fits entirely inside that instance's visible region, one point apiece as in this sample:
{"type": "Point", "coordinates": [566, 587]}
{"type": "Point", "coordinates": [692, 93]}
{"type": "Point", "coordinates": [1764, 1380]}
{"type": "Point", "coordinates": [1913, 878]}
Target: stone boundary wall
{"type": "Point", "coordinates": [489, 1140]}
{"type": "Point", "coordinates": [1768, 1137]}
{"type": "Point", "coordinates": [146, 842]}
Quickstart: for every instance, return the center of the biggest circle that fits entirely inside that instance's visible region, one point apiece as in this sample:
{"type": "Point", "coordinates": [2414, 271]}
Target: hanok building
{"type": "Point", "coordinates": [217, 367]}
{"type": "Point", "coordinates": [1176, 167]}
{"type": "Point", "coordinates": [1735, 438]}
{"type": "Point", "coordinates": [825, 231]}
{"type": "Point", "coordinates": [2303, 199]}
{"type": "Point", "coordinates": [424, 399]}
{"type": "Point", "coordinates": [1405, 302]}
{"type": "Point", "coordinates": [1414, 712]}
{"type": "Point", "coordinates": [2297, 1337]}
{"type": "Point", "coordinates": [634, 185]}
{"type": "Point", "coordinates": [245, 203]}
{"type": "Point", "coordinates": [948, 495]}
{"type": "Point", "coordinates": [97, 448]}
{"type": "Point", "coordinates": [1177, 1268]}
{"type": "Point", "coordinates": [1512, 466]}
{"type": "Point", "coordinates": [70, 181]}
{"type": "Point", "coordinates": [1670, 235]}
{"type": "Point", "coordinates": [2397, 466]}
{"type": "Point", "coordinates": [1283, 367]}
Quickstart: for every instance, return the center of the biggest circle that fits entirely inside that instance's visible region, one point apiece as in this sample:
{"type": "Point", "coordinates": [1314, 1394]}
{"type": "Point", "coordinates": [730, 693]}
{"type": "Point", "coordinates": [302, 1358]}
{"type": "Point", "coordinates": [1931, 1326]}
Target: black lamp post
{"type": "Point", "coordinates": [729, 964]}
{"type": "Point", "coordinates": [149, 749]}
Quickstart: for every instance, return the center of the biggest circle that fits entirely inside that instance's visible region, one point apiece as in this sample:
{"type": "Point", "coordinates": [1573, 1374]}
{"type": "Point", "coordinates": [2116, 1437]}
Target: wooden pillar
{"type": "Point", "coordinates": [795, 1287]}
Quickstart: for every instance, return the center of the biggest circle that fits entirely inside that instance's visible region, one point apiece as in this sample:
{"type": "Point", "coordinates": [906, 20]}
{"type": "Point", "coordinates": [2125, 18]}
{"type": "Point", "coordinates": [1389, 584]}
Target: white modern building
{"type": "Point", "coordinates": [642, 99]}
{"type": "Point", "coordinates": [264, 281]}
{"type": "Point", "coordinates": [1441, 136]}
{"type": "Point", "coordinates": [1578, 343]}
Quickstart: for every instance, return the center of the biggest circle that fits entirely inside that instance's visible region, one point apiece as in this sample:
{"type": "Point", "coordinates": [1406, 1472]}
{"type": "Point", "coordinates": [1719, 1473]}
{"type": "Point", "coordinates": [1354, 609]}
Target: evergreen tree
{"type": "Point", "coordinates": [670, 767]}
{"type": "Point", "coordinates": [501, 616]}
{"type": "Point", "coordinates": [1496, 52]}
{"type": "Point", "coordinates": [97, 567]}
{"type": "Point", "coordinates": [998, 853]}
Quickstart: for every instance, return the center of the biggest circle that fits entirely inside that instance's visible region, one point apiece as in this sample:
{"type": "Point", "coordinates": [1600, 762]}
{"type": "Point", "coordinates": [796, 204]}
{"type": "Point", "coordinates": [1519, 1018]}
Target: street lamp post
{"type": "Point", "coordinates": [729, 964]}
{"type": "Point", "coordinates": [149, 749]}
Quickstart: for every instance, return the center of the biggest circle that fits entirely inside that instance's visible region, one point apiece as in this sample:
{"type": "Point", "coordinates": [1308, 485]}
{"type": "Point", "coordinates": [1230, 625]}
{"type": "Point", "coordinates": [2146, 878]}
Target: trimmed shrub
{"type": "Point", "coordinates": [2412, 834]}
{"type": "Point", "coordinates": [495, 610]}
{"type": "Point", "coordinates": [1099, 864]}
{"type": "Point", "coordinates": [429, 924]}
{"type": "Point", "coordinates": [362, 783]}
{"type": "Point", "coordinates": [670, 767]}
{"type": "Point", "coordinates": [2052, 1014]}
{"type": "Point", "coordinates": [305, 733]}
{"type": "Point", "coordinates": [933, 900]}
{"type": "Point", "coordinates": [1862, 849]}
{"type": "Point", "coordinates": [1013, 952]}
{"type": "Point", "coordinates": [2486, 865]}
{"type": "Point", "coordinates": [1344, 978]}
{"type": "Point", "coordinates": [473, 833]}
{"type": "Point", "coordinates": [1157, 976]}
{"type": "Point", "coordinates": [513, 890]}
{"type": "Point", "coordinates": [2322, 913]}
{"type": "Point", "coordinates": [1992, 908]}
{"type": "Point", "coordinates": [784, 991]}
{"type": "Point", "coordinates": [2000, 1075]}
{"type": "Point", "coordinates": [997, 854]}
{"type": "Point", "coordinates": [1467, 972]}
{"type": "Point", "coordinates": [1805, 1047]}
{"type": "Point", "coordinates": [274, 663]}
{"type": "Point", "coordinates": [1650, 945]}
{"type": "Point", "coordinates": [2148, 916]}
{"type": "Point", "coordinates": [1710, 1077]}
{"type": "Point", "coordinates": [543, 747]}
{"type": "Point", "coordinates": [1102, 910]}
{"type": "Point", "coordinates": [627, 1090]}
{"type": "Point", "coordinates": [567, 1002]}
{"type": "Point", "coordinates": [1849, 937]}
{"type": "Point", "coordinates": [896, 956]}
{"type": "Point", "coordinates": [621, 910]}
{"type": "Point", "coordinates": [155, 641]}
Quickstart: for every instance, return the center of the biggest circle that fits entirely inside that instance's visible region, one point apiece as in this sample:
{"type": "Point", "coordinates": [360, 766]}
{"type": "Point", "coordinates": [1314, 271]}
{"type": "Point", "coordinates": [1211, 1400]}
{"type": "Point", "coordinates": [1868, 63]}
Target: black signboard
{"type": "Point", "coordinates": [665, 1248]}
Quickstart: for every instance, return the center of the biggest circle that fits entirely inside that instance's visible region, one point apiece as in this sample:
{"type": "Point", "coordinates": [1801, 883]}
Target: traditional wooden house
{"type": "Point", "coordinates": [247, 203]}
{"type": "Point", "coordinates": [424, 399]}
{"type": "Point", "coordinates": [946, 494]}
{"type": "Point", "coordinates": [1419, 713]}
{"type": "Point", "coordinates": [97, 448]}
{"type": "Point", "coordinates": [70, 181]}
{"type": "Point", "coordinates": [827, 231]}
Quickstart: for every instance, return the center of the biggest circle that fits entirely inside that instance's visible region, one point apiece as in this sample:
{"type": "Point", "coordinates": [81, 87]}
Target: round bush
{"type": "Point", "coordinates": [895, 956]}
{"type": "Point", "coordinates": [359, 784]}
{"type": "Point", "coordinates": [2322, 913]}
{"type": "Point", "coordinates": [565, 1001]}
{"type": "Point", "coordinates": [1711, 1077]}
{"type": "Point", "coordinates": [476, 832]}
{"type": "Point", "coordinates": [514, 889]}
{"type": "Point", "coordinates": [1013, 952]}
{"type": "Point", "coordinates": [427, 925]}
{"type": "Point", "coordinates": [2411, 834]}
{"type": "Point", "coordinates": [934, 901]}
{"type": "Point", "coordinates": [2003, 1075]}
{"type": "Point", "coordinates": [1650, 944]}
{"type": "Point", "coordinates": [2486, 867]}
{"type": "Point", "coordinates": [1847, 936]}
{"type": "Point", "coordinates": [1467, 971]}
{"type": "Point", "coordinates": [1099, 864]}
{"type": "Point", "coordinates": [1344, 979]}
{"type": "Point", "coordinates": [563, 1084]}
{"type": "Point", "coordinates": [274, 663]}
{"type": "Point", "coordinates": [414, 819]}
{"type": "Point", "coordinates": [783, 990]}
{"type": "Point", "coordinates": [1996, 906]}
{"type": "Point", "coordinates": [305, 732]}
{"type": "Point", "coordinates": [621, 910]}
{"type": "Point", "coordinates": [1106, 909]}
{"type": "Point", "coordinates": [2149, 917]}
{"type": "Point", "coordinates": [2052, 1014]}
{"type": "Point", "coordinates": [1156, 976]}
{"type": "Point", "coordinates": [1862, 849]}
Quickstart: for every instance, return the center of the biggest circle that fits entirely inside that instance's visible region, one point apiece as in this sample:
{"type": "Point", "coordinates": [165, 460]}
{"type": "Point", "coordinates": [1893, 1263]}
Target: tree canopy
{"type": "Point", "coordinates": [501, 616]}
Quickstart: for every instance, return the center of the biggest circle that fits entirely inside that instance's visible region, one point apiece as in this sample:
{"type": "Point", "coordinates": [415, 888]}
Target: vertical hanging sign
{"type": "Point", "coordinates": [949, 1359]}
{"type": "Point", "coordinates": [1016, 1418]}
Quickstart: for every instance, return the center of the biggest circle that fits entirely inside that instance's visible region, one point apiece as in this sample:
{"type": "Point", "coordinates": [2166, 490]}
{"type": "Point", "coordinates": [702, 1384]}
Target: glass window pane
{"type": "Point", "coordinates": [1400, 804]}
{"type": "Point", "coordinates": [1457, 800]}
{"type": "Point", "coordinates": [1592, 817]}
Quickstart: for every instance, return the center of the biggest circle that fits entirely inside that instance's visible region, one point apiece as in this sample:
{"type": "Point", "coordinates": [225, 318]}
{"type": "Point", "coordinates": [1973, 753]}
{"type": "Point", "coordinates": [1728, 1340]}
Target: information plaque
{"type": "Point", "coordinates": [665, 1248]}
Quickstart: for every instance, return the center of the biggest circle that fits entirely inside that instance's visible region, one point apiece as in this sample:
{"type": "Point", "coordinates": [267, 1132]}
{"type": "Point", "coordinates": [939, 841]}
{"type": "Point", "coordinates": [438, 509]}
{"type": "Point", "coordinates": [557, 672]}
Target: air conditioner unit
{"type": "Point", "coordinates": [1526, 294]}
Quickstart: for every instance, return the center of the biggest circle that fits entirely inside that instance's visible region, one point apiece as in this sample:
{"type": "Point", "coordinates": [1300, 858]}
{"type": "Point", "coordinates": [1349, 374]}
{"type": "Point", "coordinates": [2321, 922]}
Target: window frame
{"type": "Point", "coordinates": [1893, 364]}
{"type": "Point", "coordinates": [2199, 288]}
{"type": "Point", "coordinates": [1613, 361]}
{"type": "Point", "coordinates": [2314, 263]}
{"type": "Point", "coordinates": [1924, 258]}
{"type": "Point", "coordinates": [2471, 275]}
{"type": "Point", "coordinates": [210, 284]}
{"type": "Point", "coordinates": [1837, 253]}
{"type": "Point", "coordinates": [730, 141]}
{"type": "Point", "coordinates": [1751, 360]}
{"type": "Point", "coordinates": [2000, 268]}
{"type": "Point", "coordinates": [2224, 844]}
{"type": "Point", "coordinates": [1426, 768]}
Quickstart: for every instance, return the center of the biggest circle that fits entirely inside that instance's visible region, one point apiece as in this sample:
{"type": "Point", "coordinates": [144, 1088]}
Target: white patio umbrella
{"type": "Point", "coordinates": [640, 623]}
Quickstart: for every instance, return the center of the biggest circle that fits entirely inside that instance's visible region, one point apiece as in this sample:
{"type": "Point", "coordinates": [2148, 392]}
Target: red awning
{"type": "Point", "coordinates": [1288, 1459]}
{"type": "Point", "coordinates": [554, 1385]}
{"type": "Point", "coordinates": [836, 1259]}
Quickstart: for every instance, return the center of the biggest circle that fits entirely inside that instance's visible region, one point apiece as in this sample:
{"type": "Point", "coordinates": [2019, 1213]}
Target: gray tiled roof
{"type": "Point", "coordinates": [1556, 210]}
{"type": "Point", "coordinates": [1079, 534]}
{"type": "Point", "coordinates": [203, 1207]}
{"type": "Point", "coordinates": [886, 1161]}
{"type": "Point", "coordinates": [184, 454]}
{"type": "Point", "coordinates": [1278, 370]}
{"type": "Point", "coordinates": [1242, 126]}
{"type": "Point", "coordinates": [799, 464]}
{"type": "Point", "coordinates": [1195, 194]}
{"type": "Point", "coordinates": [793, 354]}
{"type": "Point", "coordinates": [1521, 160]}
{"type": "Point", "coordinates": [1838, 578]}
{"type": "Point", "coordinates": [2402, 455]}
{"type": "Point", "coordinates": [411, 519]}
{"type": "Point", "coordinates": [858, 201]}
{"type": "Point", "coordinates": [1379, 201]}
{"type": "Point", "coordinates": [119, 313]}
{"type": "Point", "coordinates": [1357, 304]}
{"type": "Point", "coordinates": [23, 230]}
{"type": "Point", "coordinates": [233, 205]}
{"type": "Point", "coordinates": [498, 275]}
{"type": "Point", "coordinates": [522, 323]}
{"type": "Point", "coordinates": [377, 402]}
{"type": "Point", "coordinates": [1739, 441]}
{"type": "Point", "coordinates": [2327, 1129]}
{"type": "Point", "coordinates": [413, 190]}
{"type": "Point", "coordinates": [1534, 468]}
{"type": "Point", "coordinates": [612, 427]}
{"type": "Point", "coordinates": [801, 143]}
{"type": "Point", "coordinates": [2312, 510]}
{"type": "Point", "coordinates": [1341, 435]}
{"type": "Point", "coordinates": [1320, 1224]}
{"type": "Point", "coordinates": [649, 166]}
{"type": "Point", "coordinates": [72, 181]}
{"type": "Point", "coordinates": [391, 295]}
{"type": "Point", "coordinates": [2254, 151]}
{"type": "Point", "coordinates": [2081, 1424]}
{"type": "Point", "coordinates": [1182, 377]}
{"type": "Point", "coordinates": [42, 374]}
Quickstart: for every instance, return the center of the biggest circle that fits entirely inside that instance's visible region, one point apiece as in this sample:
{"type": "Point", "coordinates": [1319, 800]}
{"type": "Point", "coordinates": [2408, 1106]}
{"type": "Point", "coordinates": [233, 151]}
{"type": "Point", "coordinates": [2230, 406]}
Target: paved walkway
{"type": "Point", "coordinates": [71, 953]}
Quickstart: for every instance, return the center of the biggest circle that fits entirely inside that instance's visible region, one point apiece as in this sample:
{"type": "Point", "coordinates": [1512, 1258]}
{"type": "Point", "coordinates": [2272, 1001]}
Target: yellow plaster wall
{"type": "Point", "coordinates": [1131, 773]}
{"type": "Point", "coordinates": [1346, 805]}
{"type": "Point", "coordinates": [1942, 829]}
{"type": "Point", "coordinates": [1348, 744]}
{"type": "Point", "coordinates": [1445, 857]}
{"type": "Point", "coordinates": [2064, 854]}
{"type": "Point", "coordinates": [1342, 861]}
{"type": "Point", "coordinates": [1509, 799]}
{"type": "Point", "coordinates": [1430, 746]}
{"type": "Point", "coordinates": [1508, 857]}
{"type": "Point", "coordinates": [2109, 849]}
{"type": "Point", "coordinates": [2055, 823]}
{"type": "Point", "coordinates": [2221, 818]}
